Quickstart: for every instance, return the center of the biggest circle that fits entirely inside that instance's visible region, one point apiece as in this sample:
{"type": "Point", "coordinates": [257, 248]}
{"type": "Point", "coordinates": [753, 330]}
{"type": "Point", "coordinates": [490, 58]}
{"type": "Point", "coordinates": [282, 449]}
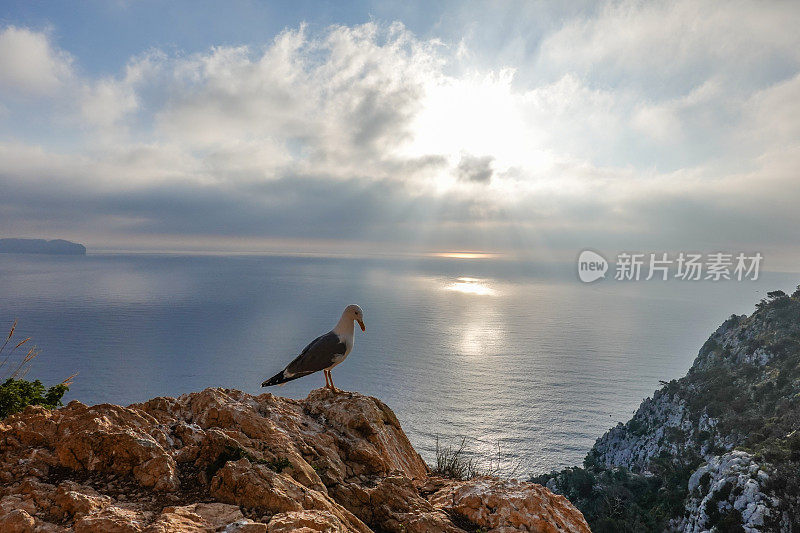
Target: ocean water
{"type": "Point", "coordinates": [522, 359]}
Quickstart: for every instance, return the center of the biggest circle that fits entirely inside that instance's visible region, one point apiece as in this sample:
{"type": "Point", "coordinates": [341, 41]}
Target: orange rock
{"type": "Point", "coordinates": [17, 521]}
{"type": "Point", "coordinates": [221, 459]}
{"type": "Point", "coordinates": [257, 486]}
{"type": "Point", "coordinates": [112, 519]}
{"type": "Point", "coordinates": [76, 501]}
{"type": "Point", "coordinates": [305, 522]}
{"type": "Point", "coordinates": [508, 505]}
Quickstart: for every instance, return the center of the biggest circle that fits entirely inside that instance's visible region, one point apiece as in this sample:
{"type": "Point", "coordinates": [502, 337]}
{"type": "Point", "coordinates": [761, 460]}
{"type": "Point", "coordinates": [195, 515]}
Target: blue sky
{"type": "Point", "coordinates": [522, 127]}
{"type": "Point", "coordinates": [105, 34]}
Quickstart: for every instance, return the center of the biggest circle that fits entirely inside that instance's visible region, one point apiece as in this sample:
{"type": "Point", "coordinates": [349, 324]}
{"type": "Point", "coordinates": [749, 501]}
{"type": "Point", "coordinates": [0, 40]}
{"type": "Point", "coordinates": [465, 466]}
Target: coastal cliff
{"type": "Point", "coordinates": [717, 450]}
{"type": "Point", "coordinates": [223, 460]}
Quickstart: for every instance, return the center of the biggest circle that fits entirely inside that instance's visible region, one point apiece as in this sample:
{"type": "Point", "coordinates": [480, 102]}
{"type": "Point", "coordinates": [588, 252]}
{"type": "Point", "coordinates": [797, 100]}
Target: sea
{"type": "Point", "coordinates": [520, 361]}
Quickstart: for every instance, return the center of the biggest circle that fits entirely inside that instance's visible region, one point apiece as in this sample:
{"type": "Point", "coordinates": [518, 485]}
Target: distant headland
{"type": "Point", "coordinates": [41, 246]}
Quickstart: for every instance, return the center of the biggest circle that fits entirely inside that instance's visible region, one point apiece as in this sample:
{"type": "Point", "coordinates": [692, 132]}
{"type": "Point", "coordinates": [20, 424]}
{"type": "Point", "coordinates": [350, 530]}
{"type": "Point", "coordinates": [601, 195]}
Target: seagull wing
{"type": "Point", "coordinates": [320, 354]}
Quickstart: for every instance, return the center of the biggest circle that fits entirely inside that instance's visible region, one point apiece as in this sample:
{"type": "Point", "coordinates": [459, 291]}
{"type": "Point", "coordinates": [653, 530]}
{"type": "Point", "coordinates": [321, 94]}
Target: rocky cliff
{"type": "Point", "coordinates": [222, 460]}
{"type": "Point", "coordinates": [717, 450]}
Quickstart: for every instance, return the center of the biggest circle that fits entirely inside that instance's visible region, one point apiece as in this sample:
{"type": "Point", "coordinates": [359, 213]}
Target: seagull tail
{"type": "Point", "coordinates": [279, 379]}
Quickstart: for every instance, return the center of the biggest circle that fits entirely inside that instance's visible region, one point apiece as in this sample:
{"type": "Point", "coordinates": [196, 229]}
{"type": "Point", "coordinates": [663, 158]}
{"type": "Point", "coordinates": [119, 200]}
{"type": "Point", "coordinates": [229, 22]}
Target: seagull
{"type": "Point", "coordinates": [324, 352]}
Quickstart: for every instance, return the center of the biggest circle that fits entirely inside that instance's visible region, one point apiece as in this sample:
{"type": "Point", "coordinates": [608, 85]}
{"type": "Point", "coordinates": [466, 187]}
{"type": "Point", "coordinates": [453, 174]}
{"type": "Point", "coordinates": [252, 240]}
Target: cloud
{"type": "Point", "coordinates": [371, 134]}
{"type": "Point", "coordinates": [475, 169]}
{"type": "Point", "coordinates": [30, 64]}
{"type": "Point", "coordinates": [106, 102]}
{"type": "Point", "coordinates": [671, 47]}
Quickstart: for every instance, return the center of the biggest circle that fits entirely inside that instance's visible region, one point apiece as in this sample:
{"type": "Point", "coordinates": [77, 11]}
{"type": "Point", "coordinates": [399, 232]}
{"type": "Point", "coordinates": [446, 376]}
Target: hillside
{"type": "Point", "coordinates": [718, 449]}
{"type": "Point", "coordinates": [41, 246]}
{"type": "Point", "coordinates": [223, 460]}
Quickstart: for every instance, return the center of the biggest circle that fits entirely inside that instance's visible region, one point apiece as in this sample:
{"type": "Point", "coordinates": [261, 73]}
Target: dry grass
{"type": "Point", "coordinates": [9, 367]}
{"type": "Point", "coordinates": [457, 462]}
{"type": "Point", "coordinates": [16, 363]}
{"type": "Point", "coordinates": [454, 462]}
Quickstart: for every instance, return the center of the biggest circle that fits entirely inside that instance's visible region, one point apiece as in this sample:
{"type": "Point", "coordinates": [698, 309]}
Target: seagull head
{"type": "Point", "coordinates": [354, 312]}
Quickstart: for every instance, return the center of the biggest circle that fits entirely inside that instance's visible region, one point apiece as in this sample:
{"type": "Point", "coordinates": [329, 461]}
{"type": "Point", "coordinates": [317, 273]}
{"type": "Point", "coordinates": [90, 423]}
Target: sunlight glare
{"type": "Point", "coordinates": [478, 115]}
{"type": "Point", "coordinates": [473, 286]}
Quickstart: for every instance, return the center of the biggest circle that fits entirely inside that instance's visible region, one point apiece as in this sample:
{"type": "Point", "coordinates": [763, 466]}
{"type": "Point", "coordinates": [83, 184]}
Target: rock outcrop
{"type": "Point", "coordinates": [223, 460]}
{"type": "Point", "coordinates": [727, 483]}
{"type": "Point", "coordinates": [717, 450]}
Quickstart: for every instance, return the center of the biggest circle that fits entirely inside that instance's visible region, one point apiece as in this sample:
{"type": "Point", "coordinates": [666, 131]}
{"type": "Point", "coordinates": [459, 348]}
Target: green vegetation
{"type": "Point", "coordinates": [754, 396]}
{"type": "Point", "coordinates": [278, 464]}
{"type": "Point", "coordinates": [617, 500]}
{"type": "Point", "coordinates": [234, 453]}
{"type": "Point", "coordinates": [16, 393]}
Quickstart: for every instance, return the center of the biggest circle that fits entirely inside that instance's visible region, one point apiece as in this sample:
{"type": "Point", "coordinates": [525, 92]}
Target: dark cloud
{"type": "Point", "coordinates": [475, 169]}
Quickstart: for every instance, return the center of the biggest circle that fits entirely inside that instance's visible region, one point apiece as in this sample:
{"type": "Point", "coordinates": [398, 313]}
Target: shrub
{"type": "Point", "coordinates": [16, 393]}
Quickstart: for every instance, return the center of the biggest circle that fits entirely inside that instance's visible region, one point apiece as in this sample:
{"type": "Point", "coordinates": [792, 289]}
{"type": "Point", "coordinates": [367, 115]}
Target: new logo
{"type": "Point", "coordinates": [591, 266]}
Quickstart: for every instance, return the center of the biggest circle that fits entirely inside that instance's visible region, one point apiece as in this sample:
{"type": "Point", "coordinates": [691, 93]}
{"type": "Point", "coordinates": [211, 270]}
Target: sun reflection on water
{"type": "Point", "coordinates": [476, 286]}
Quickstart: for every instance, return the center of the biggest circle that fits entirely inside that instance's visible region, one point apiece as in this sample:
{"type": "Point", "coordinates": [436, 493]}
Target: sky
{"type": "Point", "coordinates": [525, 128]}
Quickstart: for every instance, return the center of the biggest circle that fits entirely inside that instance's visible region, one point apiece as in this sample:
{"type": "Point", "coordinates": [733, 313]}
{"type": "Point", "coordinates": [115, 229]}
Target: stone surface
{"type": "Point", "coordinates": [17, 521]}
{"type": "Point", "coordinates": [223, 460]}
{"type": "Point", "coordinates": [731, 481]}
{"type": "Point", "coordinates": [305, 522]}
{"type": "Point", "coordinates": [508, 505]}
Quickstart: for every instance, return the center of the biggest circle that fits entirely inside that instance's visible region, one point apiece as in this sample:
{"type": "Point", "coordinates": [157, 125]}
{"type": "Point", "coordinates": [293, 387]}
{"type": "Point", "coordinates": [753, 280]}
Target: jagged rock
{"type": "Point", "coordinates": [508, 505]}
{"type": "Point", "coordinates": [246, 526]}
{"type": "Point", "coordinates": [305, 522]}
{"type": "Point", "coordinates": [102, 438]}
{"type": "Point", "coordinates": [17, 521]}
{"type": "Point", "coordinates": [112, 519]}
{"type": "Point", "coordinates": [396, 504]}
{"type": "Point", "coordinates": [223, 460]}
{"type": "Point", "coordinates": [77, 501]}
{"type": "Point", "coordinates": [196, 517]}
{"type": "Point", "coordinates": [257, 486]}
{"type": "Point", "coordinates": [727, 432]}
{"type": "Point", "coordinates": [732, 483]}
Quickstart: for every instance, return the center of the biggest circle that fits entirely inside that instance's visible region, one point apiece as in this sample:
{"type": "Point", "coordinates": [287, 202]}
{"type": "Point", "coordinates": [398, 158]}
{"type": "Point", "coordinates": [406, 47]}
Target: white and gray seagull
{"type": "Point", "coordinates": [324, 352]}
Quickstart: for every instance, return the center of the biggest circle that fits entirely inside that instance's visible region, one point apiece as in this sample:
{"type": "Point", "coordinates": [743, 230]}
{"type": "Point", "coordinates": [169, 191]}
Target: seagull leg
{"type": "Point", "coordinates": [327, 383]}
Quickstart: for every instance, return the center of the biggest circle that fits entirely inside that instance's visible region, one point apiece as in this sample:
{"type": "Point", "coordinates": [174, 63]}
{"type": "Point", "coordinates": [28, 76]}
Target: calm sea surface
{"type": "Point", "coordinates": [517, 357]}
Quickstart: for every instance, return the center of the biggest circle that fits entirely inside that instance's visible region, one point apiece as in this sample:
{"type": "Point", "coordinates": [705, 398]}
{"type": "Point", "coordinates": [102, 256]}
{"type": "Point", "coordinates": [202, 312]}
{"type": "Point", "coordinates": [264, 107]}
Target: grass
{"type": "Point", "coordinates": [454, 462]}
{"type": "Point", "coordinates": [457, 462]}
{"type": "Point", "coordinates": [21, 369]}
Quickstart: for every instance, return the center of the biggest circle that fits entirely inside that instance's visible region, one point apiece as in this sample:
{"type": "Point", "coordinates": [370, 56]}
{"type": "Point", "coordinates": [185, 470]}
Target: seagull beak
{"type": "Point", "coordinates": [363, 328]}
